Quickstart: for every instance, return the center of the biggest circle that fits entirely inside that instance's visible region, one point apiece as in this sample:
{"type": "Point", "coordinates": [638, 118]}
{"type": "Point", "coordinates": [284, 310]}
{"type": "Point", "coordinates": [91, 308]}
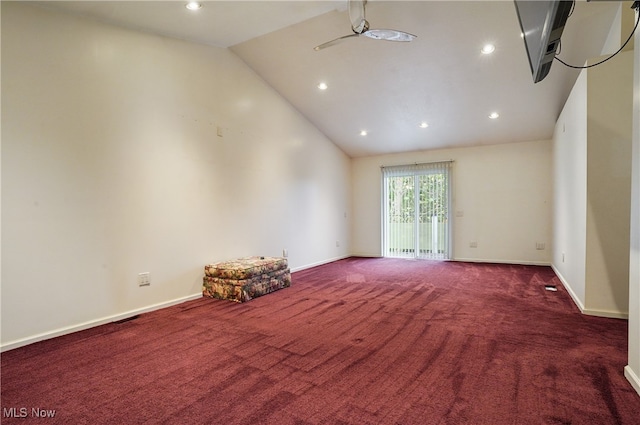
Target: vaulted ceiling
{"type": "Point", "coordinates": [385, 88]}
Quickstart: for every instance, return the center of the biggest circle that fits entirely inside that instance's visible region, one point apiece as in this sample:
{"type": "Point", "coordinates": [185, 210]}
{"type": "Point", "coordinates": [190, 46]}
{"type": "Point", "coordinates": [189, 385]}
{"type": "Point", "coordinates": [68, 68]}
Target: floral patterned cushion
{"type": "Point", "coordinates": [245, 289]}
{"type": "Point", "coordinates": [245, 268]}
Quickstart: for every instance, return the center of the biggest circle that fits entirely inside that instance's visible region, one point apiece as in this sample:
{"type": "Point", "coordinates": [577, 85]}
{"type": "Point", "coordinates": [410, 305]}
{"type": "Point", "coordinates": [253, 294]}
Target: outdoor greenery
{"type": "Point", "coordinates": [432, 198]}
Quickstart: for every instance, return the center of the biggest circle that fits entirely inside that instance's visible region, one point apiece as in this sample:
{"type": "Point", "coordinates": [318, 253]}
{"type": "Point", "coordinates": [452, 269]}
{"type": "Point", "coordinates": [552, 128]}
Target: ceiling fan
{"type": "Point", "coordinates": [360, 26]}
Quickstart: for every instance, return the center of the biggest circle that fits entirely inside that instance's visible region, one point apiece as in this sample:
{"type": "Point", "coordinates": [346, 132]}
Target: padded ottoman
{"type": "Point", "coordinates": [245, 278]}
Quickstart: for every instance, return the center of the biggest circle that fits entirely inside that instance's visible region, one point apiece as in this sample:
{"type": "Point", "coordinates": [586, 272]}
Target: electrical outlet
{"type": "Point", "coordinates": [540, 246]}
{"type": "Point", "coordinates": [285, 252]}
{"type": "Point", "coordinates": [473, 244]}
{"type": "Point", "coordinates": [144, 279]}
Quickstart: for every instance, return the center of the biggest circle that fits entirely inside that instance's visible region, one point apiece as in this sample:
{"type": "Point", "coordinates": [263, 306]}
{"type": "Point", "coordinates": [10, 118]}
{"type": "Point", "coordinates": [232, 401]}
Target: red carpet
{"type": "Point", "coordinates": [358, 341]}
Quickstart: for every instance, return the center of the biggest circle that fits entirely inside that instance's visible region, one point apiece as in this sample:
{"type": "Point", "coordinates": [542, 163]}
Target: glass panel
{"type": "Point", "coordinates": [432, 216]}
{"type": "Point", "coordinates": [401, 216]}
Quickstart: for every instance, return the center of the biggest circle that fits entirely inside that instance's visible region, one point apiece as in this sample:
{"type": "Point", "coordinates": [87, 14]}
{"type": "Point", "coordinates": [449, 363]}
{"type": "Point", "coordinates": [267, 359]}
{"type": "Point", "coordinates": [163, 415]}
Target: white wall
{"type": "Point", "coordinates": [503, 191]}
{"type": "Point", "coordinates": [632, 370]}
{"type": "Point", "coordinates": [112, 166]}
{"type": "Point", "coordinates": [592, 176]}
{"type": "Point", "coordinates": [621, 27]}
{"type": "Point", "coordinates": [570, 191]}
{"type": "Point", "coordinates": [614, 38]}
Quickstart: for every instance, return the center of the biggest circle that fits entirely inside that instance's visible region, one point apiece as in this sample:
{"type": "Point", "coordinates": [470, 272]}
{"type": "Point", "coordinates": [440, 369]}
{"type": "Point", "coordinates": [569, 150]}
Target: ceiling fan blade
{"type": "Point", "coordinates": [389, 35]}
{"type": "Point", "coordinates": [332, 42]}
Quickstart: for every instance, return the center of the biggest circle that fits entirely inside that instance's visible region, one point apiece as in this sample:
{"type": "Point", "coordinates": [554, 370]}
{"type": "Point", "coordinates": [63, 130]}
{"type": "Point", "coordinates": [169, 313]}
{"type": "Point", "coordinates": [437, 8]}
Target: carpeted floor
{"type": "Point", "coordinates": [357, 341]}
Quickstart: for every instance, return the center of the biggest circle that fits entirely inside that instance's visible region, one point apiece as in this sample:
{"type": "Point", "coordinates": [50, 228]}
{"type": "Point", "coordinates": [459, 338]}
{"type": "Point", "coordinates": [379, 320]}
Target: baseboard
{"type": "Point", "coordinates": [319, 263]}
{"type": "Point", "coordinates": [93, 323]}
{"type": "Point", "coordinates": [578, 303]}
{"type": "Point", "coordinates": [606, 313]}
{"type": "Point", "coordinates": [566, 285]}
{"type": "Point", "coordinates": [517, 262]}
{"type": "Point", "coordinates": [366, 255]}
{"type": "Point", "coordinates": [632, 378]}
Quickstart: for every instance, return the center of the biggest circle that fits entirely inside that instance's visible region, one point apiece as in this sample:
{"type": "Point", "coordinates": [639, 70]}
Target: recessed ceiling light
{"type": "Point", "coordinates": [193, 5]}
{"type": "Point", "coordinates": [363, 133]}
{"type": "Point", "coordinates": [424, 125]}
{"type": "Point", "coordinates": [323, 86]}
{"type": "Point", "coordinates": [488, 48]}
{"type": "Point", "coordinates": [494, 115]}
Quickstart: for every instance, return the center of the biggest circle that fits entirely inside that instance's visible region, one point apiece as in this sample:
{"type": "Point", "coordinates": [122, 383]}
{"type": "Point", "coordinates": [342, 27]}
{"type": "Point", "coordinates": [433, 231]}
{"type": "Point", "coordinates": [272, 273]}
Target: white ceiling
{"type": "Point", "coordinates": [383, 87]}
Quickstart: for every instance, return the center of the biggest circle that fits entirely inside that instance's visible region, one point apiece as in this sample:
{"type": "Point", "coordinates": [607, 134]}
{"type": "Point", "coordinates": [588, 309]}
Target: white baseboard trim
{"type": "Point", "coordinates": [566, 285]}
{"type": "Point", "coordinates": [517, 262]}
{"type": "Point", "coordinates": [93, 323]}
{"type": "Point", "coordinates": [632, 378]}
{"type": "Point", "coordinates": [319, 263]}
{"type": "Point", "coordinates": [367, 255]}
{"type": "Point", "coordinates": [606, 313]}
{"type": "Point", "coordinates": [589, 312]}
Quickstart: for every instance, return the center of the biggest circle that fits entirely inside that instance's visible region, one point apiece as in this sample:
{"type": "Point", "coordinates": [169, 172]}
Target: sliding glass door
{"type": "Point", "coordinates": [416, 218]}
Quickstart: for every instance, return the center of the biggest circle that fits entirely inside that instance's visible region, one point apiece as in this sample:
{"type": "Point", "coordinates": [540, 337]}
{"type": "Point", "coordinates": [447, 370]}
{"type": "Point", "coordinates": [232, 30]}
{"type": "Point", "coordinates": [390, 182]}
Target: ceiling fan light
{"type": "Point", "coordinates": [193, 5]}
{"type": "Point", "coordinates": [323, 86]}
{"type": "Point", "coordinates": [494, 115]}
{"type": "Point", "coordinates": [363, 133]}
{"type": "Point", "coordinates": [424, 125]}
